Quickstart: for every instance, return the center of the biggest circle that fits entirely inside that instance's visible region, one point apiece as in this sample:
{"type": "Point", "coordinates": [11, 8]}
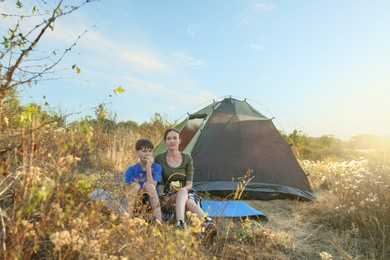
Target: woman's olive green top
{"type": "Point", "coordinates": [184, 172]}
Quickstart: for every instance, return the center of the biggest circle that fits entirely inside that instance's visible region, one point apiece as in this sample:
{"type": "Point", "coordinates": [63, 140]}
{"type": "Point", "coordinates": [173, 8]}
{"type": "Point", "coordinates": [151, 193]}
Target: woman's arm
{"type": "Point", "coordinates": [188, 185]}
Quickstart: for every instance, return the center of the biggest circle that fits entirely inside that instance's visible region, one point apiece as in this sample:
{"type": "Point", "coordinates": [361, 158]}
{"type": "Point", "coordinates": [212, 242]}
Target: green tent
{"type": "Point", "coordinates": [228, 139]}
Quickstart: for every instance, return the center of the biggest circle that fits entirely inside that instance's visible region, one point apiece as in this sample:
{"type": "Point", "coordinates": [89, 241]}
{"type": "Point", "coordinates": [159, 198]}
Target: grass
{"type": "Point", "coordinates": [45, 210]}
{"type": "Point", "coordinates": [353, 203]}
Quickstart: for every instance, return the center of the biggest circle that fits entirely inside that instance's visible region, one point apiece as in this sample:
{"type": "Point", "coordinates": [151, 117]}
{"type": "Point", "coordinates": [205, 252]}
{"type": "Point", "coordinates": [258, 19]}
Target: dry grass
{"type": "Point", "coordinates": [46, 212]}
{"type": "Point", "coordinates": [353, 203]}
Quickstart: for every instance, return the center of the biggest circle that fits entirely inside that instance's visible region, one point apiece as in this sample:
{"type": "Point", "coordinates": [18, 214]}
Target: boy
{"type": "Point", "coordinates": [143, 178]}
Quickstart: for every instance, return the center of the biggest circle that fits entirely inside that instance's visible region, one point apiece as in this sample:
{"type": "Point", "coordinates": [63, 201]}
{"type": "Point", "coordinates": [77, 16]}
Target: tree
{"type": "Point", "coordinates": [17, 65]}
{"type": "Point", "coordinates": [35, 158]}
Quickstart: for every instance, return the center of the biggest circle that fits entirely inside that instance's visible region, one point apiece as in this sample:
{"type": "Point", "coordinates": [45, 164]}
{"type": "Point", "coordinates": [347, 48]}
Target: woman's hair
{"type": "Point", "coordinates": [143, 143]}
{"type": "Point", "coordinates": [170, 130]}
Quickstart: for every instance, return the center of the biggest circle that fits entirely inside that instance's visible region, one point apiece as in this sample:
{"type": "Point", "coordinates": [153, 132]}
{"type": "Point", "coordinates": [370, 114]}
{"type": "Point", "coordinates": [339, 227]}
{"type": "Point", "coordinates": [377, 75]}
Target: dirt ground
{"type": "Point", "coordinates": [281, 213]}
{"type": "Point", "coordinates": [307, 240]}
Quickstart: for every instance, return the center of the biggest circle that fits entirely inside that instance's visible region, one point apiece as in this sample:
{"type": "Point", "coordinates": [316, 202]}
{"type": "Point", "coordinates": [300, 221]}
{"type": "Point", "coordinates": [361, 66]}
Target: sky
{"type": "Point", "coordinates": [321, 67]}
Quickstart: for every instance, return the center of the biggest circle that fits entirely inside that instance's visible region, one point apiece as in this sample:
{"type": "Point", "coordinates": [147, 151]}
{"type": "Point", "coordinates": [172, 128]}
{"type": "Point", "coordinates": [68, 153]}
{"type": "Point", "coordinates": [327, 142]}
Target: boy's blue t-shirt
{"type": "Point", "coordinates": [135, 171]}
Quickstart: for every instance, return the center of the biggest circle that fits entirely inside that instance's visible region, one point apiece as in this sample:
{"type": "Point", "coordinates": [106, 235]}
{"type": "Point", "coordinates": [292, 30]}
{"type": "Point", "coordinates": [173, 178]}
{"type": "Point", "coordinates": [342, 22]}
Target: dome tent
{"type": "Point", "coordinates": [227, 139]}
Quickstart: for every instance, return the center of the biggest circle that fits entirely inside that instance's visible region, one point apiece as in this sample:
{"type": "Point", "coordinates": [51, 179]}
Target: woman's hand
{"type": "Point", "coordinates": [175, 186]}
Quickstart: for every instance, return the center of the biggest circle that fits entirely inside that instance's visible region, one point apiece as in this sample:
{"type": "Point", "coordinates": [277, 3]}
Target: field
{"type": "Point", "coordinates": [349, 220]}
{"type": "Point", "coordinates": [50, 165]}
{"type": "Point", "coordinates": [47, 177]}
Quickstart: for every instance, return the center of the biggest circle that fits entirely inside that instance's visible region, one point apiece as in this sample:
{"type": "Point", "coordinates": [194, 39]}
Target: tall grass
{"type": "Point", "coordinates": [353, 200]}
{"type": "Point", "coordinates": [45, 209]}
{"type": "Point", "coordinates": [51, 170]}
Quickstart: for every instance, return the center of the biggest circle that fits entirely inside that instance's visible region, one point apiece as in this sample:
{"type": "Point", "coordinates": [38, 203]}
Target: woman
{"type": "Point", "coordinates": [179, 167]}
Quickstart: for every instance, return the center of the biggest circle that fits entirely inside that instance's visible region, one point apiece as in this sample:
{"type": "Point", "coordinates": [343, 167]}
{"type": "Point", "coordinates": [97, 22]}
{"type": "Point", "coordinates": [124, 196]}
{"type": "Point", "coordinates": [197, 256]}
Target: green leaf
{"type": "Point", "coordinates": [118, 90]}
{"type": "Point", "coordinates": [19, 4]}
{"type": "Point", "coordinates": [58, 11]}
{"type": "Point", "coordinates": [102, 114]}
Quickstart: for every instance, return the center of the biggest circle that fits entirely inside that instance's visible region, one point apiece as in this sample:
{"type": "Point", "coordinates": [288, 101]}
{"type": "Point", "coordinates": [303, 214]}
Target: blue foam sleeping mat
{"type": "Point", "coordinates": [230, 208]}
{"type": "Point", "coordinates": [214, 208]}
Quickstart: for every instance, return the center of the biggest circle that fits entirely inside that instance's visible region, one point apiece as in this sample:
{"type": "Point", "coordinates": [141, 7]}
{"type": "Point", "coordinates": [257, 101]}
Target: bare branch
{"type": "Point", "coordinates": [8, 79]}
{"type": "Point", "coordinates": [3, 231]}
{"type": "Point", "coordinates": [49, 68]}
{"type": "Point", "coordinates": [10, 72]}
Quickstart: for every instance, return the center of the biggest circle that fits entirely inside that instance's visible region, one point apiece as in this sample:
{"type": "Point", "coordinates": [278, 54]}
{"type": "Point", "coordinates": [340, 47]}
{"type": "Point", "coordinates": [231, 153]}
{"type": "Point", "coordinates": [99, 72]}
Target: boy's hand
{"type": "Point", "coordinates": [149, 160]}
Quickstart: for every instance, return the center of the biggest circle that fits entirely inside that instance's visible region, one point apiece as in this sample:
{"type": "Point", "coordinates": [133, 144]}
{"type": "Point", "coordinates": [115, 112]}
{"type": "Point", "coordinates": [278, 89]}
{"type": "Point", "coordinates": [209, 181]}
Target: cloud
{"type": "Point", "coordinates": [193, 30]}
{"type": "Point", "coordinates": [169, 100]}
{"type": "Point", "coordinates": [129, 53]}
{"type": "Point", "coordinates": [144, 87]}
{"type": "Point", "coordinates": [142, 58]}
{"type": "Point", "coordinates": [245, 20]}
{"type": "Point", "coordinates": [185, 94]}
{"type": "Point", "coordinates": [92, 45]}
{"type": "Point", "coordinates": [261, 5]}
{"type": "Point", "coordinates": [256, 47]}
{"type": "Point", "coordinates": [187, 60]}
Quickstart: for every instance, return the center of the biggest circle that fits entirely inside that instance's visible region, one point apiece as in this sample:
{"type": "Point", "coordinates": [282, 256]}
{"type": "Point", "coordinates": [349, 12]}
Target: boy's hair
{"type": "Point", "coordinates": [143, 143]}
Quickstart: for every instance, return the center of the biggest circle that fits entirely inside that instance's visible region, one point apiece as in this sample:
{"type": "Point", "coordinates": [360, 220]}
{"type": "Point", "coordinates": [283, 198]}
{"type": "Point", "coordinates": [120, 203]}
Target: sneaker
{"type": "Point", "coordinates": [210, 229]}
{"type": "Point", "coordinates": [207, 222]}
{"type": "Point", "coordinates": [181, 225]}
